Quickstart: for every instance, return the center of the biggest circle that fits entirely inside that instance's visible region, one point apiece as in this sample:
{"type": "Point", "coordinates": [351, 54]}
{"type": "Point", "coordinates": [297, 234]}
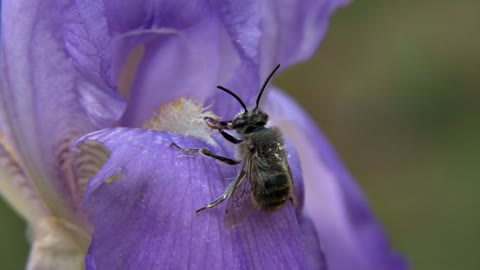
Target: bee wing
{"type": "Point", "coordinates": [239, 205]}
{"type": "Point", "coordinates": [293, 189]}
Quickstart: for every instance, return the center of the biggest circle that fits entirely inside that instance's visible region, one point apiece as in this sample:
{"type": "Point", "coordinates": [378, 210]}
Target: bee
{"type": "Point", "coordinates": [265, 181]}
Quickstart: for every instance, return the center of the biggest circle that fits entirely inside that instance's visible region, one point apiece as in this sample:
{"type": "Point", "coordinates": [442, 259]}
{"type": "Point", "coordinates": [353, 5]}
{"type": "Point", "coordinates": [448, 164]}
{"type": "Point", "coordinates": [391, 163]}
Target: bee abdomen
{"type": "Point", "coordinates": [272, 192]}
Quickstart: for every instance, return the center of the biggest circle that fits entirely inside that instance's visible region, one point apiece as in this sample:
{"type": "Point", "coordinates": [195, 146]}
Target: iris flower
{"type": "Point", "coordinates": [94, 92]}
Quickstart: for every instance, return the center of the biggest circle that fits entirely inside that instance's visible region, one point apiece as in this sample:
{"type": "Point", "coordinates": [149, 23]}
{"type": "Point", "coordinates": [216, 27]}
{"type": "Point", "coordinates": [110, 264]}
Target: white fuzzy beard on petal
{"type": "Point", "coordinates": [184, 116]}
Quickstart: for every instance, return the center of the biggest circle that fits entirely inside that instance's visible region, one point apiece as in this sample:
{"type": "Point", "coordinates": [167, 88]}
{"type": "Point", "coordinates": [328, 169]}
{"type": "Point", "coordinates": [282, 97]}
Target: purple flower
{"type": "Point", "coordinates": [121, 197]}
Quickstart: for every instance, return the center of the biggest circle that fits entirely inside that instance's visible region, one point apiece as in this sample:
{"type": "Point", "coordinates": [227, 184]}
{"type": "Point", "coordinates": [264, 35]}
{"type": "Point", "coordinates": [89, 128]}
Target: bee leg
{"type": "Point", "coordinates": [220, 126]}
{"type": "Point", "coordinates": [215, 124]}
{"type": "Point", "coordinates": [206, 152]}
{"type": "Point", "coordinates": [229, 137]}
{"type": "Point", "coordinates": [228, 192]}
{"type": "Point", "coordinates": [218, 200]}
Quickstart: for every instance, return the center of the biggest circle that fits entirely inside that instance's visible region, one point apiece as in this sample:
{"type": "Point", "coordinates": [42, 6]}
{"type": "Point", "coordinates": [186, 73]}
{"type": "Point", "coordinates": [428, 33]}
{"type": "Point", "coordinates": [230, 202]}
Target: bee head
{"type": "Point", "coordinates": [249, 121]}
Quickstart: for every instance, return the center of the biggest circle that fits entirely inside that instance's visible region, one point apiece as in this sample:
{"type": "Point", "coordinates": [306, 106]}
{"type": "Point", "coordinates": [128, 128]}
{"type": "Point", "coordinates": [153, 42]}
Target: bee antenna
{"type": "Point", "coordinates": [233, 95]}
{"type": "Point", "coordinates": [265, 86]}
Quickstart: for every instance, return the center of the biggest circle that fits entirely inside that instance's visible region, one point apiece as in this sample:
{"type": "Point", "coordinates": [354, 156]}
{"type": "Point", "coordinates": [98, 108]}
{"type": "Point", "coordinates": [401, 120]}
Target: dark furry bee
{"type": "Point", "coordinates": [265, 180]}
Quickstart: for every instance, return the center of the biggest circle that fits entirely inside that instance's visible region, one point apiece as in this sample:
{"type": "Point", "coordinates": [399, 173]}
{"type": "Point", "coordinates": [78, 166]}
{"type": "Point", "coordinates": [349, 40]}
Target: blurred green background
{"type": "Point", "coordinates": [395, 86]}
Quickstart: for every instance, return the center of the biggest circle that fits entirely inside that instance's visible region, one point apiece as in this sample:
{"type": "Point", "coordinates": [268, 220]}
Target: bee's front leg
{"type": "Point", "coordinates": [216, 124]}
{"type": "Point", "coordinates": [220, 126]}
{"type": "Point", "coordinates": [229, 137]}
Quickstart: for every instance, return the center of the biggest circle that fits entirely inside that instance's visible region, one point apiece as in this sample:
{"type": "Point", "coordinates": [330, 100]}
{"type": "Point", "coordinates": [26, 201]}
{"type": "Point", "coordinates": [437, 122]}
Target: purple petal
{"type": "Point", "coordinates": [87, 40]}
{"type": "Point", "coordinates": [180, 41]}
{"type": "Point", "coordinates": [242, 21]}
{"type": "Point", "coordinates": [181, 64]}
{"type": "Point", "coordinates": [189, 48]}
{"type": "Point", "coordinates": [292, 30]}
{"type": "Point", "coordinates": [142, 205]}
{"type": "Point", "coordinates": [139, 22]}
{"type": "Point", "coordinates": [45, 101]}
{"type": "Point", "coordinates": [351, 236]}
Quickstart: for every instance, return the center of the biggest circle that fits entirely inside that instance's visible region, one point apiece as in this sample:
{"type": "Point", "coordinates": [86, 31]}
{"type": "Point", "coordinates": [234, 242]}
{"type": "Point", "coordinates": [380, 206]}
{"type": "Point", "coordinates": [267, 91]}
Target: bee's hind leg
{"type": "Point", "coordinates": [218, 200]}
{"type": "Point", "coordinates": [206, 152]}
{"type": "Point", "coordinates": [228, 192]}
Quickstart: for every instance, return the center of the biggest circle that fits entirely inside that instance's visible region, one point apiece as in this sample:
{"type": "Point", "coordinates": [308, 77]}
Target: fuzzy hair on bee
{"type": "Point", "coordinates": [265, 181]}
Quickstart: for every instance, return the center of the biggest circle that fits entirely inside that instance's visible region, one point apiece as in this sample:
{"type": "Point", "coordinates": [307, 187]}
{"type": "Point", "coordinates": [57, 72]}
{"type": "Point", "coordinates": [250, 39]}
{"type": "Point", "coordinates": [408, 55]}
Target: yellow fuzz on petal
{"type": "Point", "coordinates": [113, 178]}
{"type": "Point", "coordinates": [184, 116]}
{"type": "Point", "coordinates": [7, 147]}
